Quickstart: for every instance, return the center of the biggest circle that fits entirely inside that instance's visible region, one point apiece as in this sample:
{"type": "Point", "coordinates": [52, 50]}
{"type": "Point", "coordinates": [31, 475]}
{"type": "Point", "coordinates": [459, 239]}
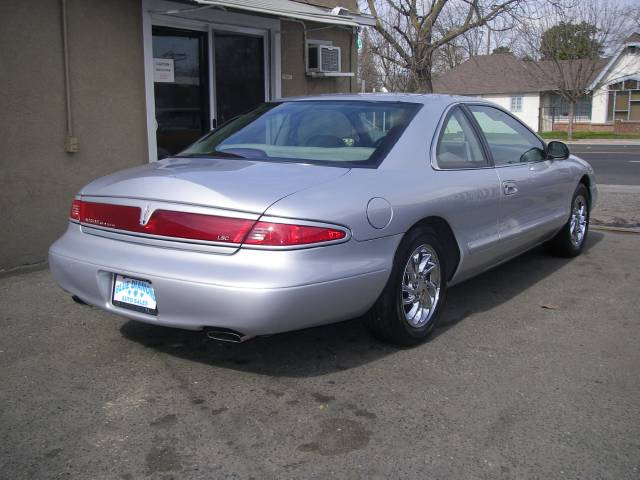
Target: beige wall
{"type": "Point", "coordinates": [38, 179]}
{"type": "Point", "coordinates": [293, 63]}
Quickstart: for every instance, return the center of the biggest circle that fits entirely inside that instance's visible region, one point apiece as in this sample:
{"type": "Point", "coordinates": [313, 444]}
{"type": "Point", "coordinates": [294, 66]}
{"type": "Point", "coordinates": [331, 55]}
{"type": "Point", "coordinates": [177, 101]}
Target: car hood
{"type": "Point", "coordinates": [234, 184]}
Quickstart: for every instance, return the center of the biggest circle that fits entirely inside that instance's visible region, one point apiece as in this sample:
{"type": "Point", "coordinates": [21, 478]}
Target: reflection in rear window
{"type": "Point", "coordinates": [349, 133]}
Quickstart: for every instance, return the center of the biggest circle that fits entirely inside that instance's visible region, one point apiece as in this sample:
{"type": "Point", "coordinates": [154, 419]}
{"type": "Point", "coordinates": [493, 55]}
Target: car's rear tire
{"type": "Point", "coordinates": [408, 308]}
{"type": "Point", "coordinates": [570, 241]}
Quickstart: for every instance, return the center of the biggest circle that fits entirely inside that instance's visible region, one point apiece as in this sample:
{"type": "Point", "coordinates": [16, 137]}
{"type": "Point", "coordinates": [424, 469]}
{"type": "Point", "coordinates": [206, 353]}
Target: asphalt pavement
{"type": "Point", "coordinates": [533, 374]}
{"type": "Point", "coordinates": [613, 164]}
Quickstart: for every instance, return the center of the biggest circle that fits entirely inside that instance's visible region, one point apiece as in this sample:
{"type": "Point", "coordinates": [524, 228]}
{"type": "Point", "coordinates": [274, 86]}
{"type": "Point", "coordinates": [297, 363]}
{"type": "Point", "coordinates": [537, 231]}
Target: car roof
{"type": "Point", "coordinates": [433, 99]}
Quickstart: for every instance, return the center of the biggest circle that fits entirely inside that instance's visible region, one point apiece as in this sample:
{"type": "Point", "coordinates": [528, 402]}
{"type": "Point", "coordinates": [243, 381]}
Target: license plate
{"type": "Point", "coordinates": [134, 294]}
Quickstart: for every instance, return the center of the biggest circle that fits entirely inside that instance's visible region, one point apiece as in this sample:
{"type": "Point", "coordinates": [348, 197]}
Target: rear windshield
{"type": "Point", "coordinates": [340, 133]}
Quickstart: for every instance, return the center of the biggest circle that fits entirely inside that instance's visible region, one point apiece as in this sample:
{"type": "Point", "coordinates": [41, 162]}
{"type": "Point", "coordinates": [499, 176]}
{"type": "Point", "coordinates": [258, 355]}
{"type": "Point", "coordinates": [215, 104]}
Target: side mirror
{"type": "Point", "coordinates": [557, 151]}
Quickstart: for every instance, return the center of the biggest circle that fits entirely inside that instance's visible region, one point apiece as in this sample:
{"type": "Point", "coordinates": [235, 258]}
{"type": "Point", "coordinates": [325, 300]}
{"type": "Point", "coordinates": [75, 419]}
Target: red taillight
{"type": "Point", "coordinates": [121, 217]}
{"type": "Point", "coordinates": [284, 234]}
{"type": "Point", "coordinates": [105, 215]}
{"type": "Point", "coordinates": [197, 226]}
{"type": "Point", "coordinates": [191, 226]}
{"type": "Point", "coordinates": [76, 206]}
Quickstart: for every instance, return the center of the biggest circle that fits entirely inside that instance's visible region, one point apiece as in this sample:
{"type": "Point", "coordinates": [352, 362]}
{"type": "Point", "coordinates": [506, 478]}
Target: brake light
{"type": "Point", "coordinates": [197, 226]}
{"type": "Point", "coordinates": [284, 234]}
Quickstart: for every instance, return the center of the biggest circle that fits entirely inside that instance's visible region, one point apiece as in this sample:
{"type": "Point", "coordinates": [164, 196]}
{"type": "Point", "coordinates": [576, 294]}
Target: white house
{"type": "Point", "coordinates": [616, 89]}
{"type": "Point", "coordinates": [528, 89]}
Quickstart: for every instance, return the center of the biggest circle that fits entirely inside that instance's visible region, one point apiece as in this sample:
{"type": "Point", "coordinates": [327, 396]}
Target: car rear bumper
{"type": "Point", "coordinates": [254, 292]}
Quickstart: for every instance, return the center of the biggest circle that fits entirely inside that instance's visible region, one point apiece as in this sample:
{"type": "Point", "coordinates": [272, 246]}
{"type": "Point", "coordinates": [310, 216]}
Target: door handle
{"type": "Point", "coordinates": [510, 187]}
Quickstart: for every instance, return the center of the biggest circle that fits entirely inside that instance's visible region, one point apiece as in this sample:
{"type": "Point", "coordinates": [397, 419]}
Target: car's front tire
{"type": "Point", "coordinates": [569, 242]}
{"type": "Point", "coordinates": [408, 308]}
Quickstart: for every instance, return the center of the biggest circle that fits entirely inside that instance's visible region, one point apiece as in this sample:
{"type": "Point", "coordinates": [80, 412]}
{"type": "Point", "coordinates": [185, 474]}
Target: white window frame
{"type": "Point", "coordinates": [210, 20]}
{"type": "Point", "coordinates": [516, 104]}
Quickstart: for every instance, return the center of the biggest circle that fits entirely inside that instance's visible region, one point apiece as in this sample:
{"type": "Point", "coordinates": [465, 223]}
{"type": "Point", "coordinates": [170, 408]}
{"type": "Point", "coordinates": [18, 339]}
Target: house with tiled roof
{"type": "Point", "coordinates": [530, 89]}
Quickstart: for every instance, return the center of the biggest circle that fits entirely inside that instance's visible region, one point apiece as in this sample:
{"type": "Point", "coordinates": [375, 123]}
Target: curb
{"type": "Point", "coordinates": [605, 228]}
{"type": "Point", "coordinates": [19, 270]}
{"type": "Point", "coordinates": [602, 142]}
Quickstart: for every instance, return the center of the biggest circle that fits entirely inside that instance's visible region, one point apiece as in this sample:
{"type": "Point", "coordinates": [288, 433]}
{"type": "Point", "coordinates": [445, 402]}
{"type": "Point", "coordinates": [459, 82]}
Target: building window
{"type": "Point", "coordinates": [558, 109]}
{"type": "Point", "coordinates": [516, 104]}
{"type": "Point", "coordinates": [624, 101]}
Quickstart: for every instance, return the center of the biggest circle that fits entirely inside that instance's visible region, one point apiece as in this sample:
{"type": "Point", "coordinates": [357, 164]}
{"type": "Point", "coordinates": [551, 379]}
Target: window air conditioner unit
{"type": "Point", "coordinates": [322, 58]}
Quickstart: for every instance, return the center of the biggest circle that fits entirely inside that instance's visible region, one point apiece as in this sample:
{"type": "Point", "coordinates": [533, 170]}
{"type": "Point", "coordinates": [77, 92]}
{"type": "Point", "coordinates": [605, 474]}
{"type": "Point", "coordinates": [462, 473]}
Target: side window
{"type": "Point", "coordinates": [458, 145]}
{"type": "Point", "coordinates": [510, 141]}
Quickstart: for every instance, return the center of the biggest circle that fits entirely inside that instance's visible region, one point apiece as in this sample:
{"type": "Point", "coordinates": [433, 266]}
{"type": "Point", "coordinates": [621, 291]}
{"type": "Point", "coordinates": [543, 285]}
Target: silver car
{"type": "Point", "coordinates": [313, 210]}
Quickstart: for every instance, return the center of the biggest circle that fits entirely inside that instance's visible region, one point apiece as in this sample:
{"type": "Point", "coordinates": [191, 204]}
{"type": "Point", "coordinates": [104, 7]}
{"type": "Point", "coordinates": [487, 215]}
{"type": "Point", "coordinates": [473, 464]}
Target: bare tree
{"type": "Point", "coordinates": [368, 68]}
{"type": "Point", "coordinates": [410, 32]}
{"type": "Point", "coordinates": [460, 48]}
{"type": "Point", "coordinates": [567, 46]}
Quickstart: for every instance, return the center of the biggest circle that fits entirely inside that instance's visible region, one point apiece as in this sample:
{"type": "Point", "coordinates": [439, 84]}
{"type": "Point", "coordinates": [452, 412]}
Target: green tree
{"type": "Point", "coordinates": [501, 50]}
{"type": "Point", "coordinates": [570, 41]}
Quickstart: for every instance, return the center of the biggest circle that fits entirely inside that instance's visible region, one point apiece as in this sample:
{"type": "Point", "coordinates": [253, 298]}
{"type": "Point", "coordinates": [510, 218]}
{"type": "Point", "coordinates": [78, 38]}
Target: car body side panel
{"type": "Point", "coordinates": [467, 199]}
{"type": "Point", "coordinates": [543, 204]}
{"type": "Point", "coordinates": [580, 168]}
{"type": "Point", "coordinates": [538, 207]}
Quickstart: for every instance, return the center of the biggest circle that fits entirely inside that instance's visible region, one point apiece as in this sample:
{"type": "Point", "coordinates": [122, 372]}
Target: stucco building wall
{"type": "Point", "coordinates": [38, 178]}
{"type": "Point", "coordinates": [294, 78]}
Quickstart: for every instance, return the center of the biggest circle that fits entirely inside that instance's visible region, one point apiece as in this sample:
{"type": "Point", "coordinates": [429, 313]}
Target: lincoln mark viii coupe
{"type": "Point", "coordinates": [312, 210]}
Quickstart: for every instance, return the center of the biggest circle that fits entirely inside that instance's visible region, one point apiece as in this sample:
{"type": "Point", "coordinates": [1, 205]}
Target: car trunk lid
{"type": "Point", "coordinates": [242, 185]}
{"type": "Point", "coordinates": [240, 189]}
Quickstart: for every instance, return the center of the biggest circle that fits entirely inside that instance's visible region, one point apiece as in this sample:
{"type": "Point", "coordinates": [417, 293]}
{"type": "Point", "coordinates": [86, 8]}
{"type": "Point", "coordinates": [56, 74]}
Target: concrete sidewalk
{"type": "Point", "coordinates": [597, 141]}
{"type": "Point", "coordinates": [618, 207]}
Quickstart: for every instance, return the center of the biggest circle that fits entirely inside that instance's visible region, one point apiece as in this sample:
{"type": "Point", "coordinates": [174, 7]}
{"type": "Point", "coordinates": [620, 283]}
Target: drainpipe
{"type": "Point", "coordinates": [71, 142]}
{"type": "Point", "coordinates": [304, 39]}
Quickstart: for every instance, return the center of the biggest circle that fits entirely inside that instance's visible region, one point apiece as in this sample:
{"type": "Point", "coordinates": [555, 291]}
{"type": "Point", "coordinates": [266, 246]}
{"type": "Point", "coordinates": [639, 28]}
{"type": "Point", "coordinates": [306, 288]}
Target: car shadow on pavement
{"type": "Point", "coordinates": [341, 346]}
{"type": "Point", "coordinates": [500, 284]}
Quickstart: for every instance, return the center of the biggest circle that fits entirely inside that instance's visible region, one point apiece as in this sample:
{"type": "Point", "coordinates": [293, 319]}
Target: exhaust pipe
{"type": "Point", "coordinates": [226, 335]}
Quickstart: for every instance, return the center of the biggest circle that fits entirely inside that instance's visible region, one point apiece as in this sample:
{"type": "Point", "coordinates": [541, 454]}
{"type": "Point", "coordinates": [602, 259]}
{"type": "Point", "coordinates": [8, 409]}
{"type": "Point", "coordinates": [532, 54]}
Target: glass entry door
{"type": "Point", "coordinates": [239, 74]}
{"type": "Point", "coordinates": [180, 70]}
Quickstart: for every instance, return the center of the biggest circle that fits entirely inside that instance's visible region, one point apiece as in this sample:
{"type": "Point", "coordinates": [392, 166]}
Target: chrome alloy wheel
{"type": "Point", "coordinates": [578, 221]}
{"type": "Point", "coordinates": [421, 286]}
